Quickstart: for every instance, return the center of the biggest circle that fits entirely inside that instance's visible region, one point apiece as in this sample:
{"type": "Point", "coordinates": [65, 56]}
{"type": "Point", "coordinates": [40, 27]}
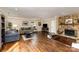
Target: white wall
{"type": "Point", "coordinates": [50, 21]}
{"type": "Point", "coordinates": [47, 21]}
{"type": "Point", "coordinates": [53, 25]}
{"type": "Point", "coordinates": [15, 20]}
{"type": "Point", "coordinates": [18, 21]}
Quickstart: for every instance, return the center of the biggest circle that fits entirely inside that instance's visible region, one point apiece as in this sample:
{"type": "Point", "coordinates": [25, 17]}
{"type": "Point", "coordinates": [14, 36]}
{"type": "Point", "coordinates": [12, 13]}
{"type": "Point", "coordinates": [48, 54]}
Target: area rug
{"type": "Point", "coordinates": [24, 38]}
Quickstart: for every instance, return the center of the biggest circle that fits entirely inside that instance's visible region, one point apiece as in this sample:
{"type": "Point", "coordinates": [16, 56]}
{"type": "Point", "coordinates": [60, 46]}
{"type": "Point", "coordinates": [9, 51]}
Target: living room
{"type": "Point", "coordinates": [43, 29]}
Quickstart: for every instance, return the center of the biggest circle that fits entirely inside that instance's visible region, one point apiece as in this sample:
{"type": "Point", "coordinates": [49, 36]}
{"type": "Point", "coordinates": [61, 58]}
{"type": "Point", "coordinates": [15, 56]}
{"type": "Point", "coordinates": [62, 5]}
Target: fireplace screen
{"type": "Point", "coordinates": [70, 32]}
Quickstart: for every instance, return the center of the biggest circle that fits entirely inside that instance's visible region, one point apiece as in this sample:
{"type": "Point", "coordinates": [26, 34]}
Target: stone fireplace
{"type": "Point", "coordinates": [70, 32]}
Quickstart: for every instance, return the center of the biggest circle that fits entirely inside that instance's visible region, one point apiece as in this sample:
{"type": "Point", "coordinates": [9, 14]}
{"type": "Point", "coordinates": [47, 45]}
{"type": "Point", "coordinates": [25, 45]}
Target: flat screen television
{"type": "Point", "coordinates": [45, 25]}
{"type": "Point", "coordinates": [70, 32]}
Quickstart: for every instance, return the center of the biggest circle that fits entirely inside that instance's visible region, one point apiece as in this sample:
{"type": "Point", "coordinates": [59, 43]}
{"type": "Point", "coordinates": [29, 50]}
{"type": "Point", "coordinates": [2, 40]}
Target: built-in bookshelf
{"type": "Point", "coordinates": [2, 31]}
{"type": "Point", "coordinates": [3, 28]}
{"type": "Point", "coordinates": [70, 22]}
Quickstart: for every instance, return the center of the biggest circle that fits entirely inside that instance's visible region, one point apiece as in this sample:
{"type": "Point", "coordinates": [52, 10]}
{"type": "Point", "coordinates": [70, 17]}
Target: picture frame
{"type": "Point", "coordinates": [39, 23]}
{"type": "Point", "coordinates": [68, 21]}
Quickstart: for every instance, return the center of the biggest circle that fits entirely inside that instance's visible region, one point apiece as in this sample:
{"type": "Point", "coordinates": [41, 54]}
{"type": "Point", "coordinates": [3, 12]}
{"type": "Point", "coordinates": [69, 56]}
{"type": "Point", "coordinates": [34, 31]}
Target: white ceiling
{"type": "Point", "coordinates": [43, 12]}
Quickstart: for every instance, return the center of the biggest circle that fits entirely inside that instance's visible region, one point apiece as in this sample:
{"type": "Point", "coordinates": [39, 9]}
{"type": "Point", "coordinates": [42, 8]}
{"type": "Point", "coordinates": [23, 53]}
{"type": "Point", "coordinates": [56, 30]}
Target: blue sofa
{"type": "Point", "coordinates": [11, 36]}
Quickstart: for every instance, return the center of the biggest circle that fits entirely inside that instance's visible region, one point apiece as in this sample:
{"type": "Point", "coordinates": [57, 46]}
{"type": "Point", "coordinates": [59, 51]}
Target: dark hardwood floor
{"type": "Point", "coordinates": [8, 47]}
{"type": "Point", "coordinates": [43, 44]}
{"type": "Point", "coordinates": [39, 43]}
